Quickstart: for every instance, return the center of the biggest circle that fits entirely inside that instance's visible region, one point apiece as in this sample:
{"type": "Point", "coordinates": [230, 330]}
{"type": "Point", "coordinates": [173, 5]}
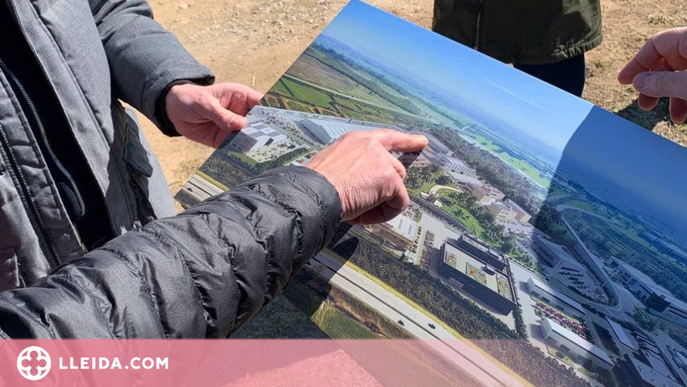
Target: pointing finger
{"type": "Point", "coordinates": [394, 141]}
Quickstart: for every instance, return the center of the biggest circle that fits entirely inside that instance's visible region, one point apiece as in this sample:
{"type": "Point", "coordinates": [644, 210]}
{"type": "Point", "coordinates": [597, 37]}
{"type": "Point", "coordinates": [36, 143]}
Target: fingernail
{"type": "Point", "coordinates": [640, 81]}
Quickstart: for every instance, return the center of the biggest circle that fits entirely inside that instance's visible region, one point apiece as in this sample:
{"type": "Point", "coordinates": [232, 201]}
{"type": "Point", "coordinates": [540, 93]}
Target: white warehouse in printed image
{"type": "Point", "coordinates": [256, 136]}
{"type": "Point", "coordinates": [452, 164]}
{"type": "Point", "coordinates": [556, 298]}
{"type": "Point", "coordinates": [399, 232]}
{"type": "Point", "coordinates": [436, 145]}
{"type": "Point", "coordinates": [508, 210]}
{"type": "Point", "coordinates": [328, 131]}
{"type": "Point", "coordinates": [577, 348]}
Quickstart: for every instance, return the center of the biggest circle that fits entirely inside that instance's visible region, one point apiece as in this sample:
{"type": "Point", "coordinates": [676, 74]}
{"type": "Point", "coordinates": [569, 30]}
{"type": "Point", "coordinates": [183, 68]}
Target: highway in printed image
{"type": "Point", "coordinates": [393, 308]}
{"type": "Point", "coordinates": [415, 322]}
{"type": "Point", "coordinates": [200, 189]}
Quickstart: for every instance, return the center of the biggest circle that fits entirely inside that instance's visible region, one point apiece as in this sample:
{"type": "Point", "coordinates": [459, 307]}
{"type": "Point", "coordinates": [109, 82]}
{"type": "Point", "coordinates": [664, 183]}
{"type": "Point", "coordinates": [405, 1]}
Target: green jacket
{"type": "Point", "coordinates": [522, 31]}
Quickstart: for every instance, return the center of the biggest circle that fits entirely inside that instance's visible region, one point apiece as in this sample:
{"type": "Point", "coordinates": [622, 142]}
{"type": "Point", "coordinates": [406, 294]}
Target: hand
{"type": "Point", "coordinates": [368, 178]}
{"type": "Point", "coordinates": [658, 70]}
{"type": "Point", "coordinates": [208, 114]}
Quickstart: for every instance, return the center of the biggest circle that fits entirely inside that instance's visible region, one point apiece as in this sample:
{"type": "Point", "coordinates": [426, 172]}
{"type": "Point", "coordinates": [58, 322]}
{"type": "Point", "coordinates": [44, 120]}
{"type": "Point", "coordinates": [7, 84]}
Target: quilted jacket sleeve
{"type": "Point", "coordinates": [200, 274]}
{"type": "Point", "coordinates": [144, 58]}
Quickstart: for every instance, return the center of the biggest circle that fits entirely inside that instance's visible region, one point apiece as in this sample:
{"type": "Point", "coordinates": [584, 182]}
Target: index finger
{"type": "Point", "coordinates": [666, 44]}
{"type": "Point", "coordinates": [394, 141]}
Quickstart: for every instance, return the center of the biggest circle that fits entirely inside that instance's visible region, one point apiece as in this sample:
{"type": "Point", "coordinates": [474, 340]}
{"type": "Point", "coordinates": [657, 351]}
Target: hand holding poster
{"type": "Point", "coordinates": [545, 233]}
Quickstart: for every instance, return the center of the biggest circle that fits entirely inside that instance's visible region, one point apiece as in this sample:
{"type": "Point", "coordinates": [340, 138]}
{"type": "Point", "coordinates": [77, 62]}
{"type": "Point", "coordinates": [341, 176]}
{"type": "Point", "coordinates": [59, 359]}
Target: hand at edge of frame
{"type": "Point", "coordinates": [658, 70]}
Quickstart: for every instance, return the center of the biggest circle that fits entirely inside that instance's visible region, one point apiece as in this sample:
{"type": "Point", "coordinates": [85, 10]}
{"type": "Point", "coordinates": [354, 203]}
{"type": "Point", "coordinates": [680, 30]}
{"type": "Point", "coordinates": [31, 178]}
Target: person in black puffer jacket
{"type": "Point", "coordinates": [204, 273]}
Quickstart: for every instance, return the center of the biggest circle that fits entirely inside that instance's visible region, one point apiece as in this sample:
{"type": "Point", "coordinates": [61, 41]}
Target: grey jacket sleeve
{"type": "Point", "coordinates": [200, 274]}
{"type": "Point", "coordinates": [144, 58]}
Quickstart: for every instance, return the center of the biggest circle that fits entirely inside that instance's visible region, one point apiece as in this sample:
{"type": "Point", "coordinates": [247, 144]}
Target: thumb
{"type": "Point", "coordinates": [662, 84]}
{"type": "Point", "coordinates": [223, 118]}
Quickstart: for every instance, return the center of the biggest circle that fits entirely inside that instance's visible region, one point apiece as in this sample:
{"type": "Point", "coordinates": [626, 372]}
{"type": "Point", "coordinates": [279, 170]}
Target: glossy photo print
{"type": "Point", "coordinates": [546, 243]}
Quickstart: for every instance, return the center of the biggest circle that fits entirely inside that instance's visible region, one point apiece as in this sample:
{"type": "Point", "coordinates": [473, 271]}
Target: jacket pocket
{"type": "Point", "coordinates": [9, 271]}
{"type": "Point", "coordinates": [135, 154]}
{"type": "Point", "coordinates": [139, 168]}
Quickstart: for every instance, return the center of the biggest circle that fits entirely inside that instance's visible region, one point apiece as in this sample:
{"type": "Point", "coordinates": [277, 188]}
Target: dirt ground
{"type": "Point", "coordinates": [255, 41]}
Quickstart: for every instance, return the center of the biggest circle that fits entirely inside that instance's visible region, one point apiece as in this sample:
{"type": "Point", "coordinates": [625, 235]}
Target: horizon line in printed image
{"type": "Point", "coordinates": [536, 217]}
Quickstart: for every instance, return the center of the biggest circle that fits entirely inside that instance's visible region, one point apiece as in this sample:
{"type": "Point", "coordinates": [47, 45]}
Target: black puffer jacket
{"type": "Point", "coordinates": [201, 274]}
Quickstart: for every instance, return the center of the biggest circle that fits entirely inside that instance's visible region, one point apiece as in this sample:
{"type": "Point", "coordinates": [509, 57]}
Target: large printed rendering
{"type": "Point", "coordinates": [545, 233]}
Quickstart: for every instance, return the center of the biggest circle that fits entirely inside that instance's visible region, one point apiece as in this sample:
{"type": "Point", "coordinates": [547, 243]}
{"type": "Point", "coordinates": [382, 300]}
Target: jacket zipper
{"type": "Point", "coordinates": [479, 25]}
{"type": "Point", "coordinates": [44, 137]}
{"type": "Point", "coordinates": [29, 198]}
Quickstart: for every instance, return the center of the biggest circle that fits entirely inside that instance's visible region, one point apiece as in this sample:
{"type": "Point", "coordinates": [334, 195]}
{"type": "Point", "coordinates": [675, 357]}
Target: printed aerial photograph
{"type": "Point", "coordinates": [546, 242]}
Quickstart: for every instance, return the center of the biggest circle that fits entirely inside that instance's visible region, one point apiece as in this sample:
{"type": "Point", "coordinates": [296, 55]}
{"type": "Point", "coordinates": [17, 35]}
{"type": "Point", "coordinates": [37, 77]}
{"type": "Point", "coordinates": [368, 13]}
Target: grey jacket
{"type": "Point", "coordinates": [200, 274]}
{"type": "Point", "coordinates": [94, 53]}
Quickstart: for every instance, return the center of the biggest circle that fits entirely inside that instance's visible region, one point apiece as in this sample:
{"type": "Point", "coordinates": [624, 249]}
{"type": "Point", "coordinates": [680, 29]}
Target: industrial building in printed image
{"type": "Point", "coordinates": [479, 272]}
{"type": "Point", "coordinates": [659, 301]}
{"type": "Point", "coordinates": [646, 364]}
{"type": "Point", "coordinates": [329, 129]}
{"type": "Point", "coordinates": [555, 298]}
{"type": "Point", "coordinates": [473, 246]}
{"type": "Point", "coordinates": [646, 376]}
{"type": "Point", "coordinates": [557, 255]}
{"type": "Point", "coordinates": [521, 215]}
{"type": "Point", "coordinates": [399, 232]}
{"type": "Point", "coordinates": [414, 159]}
{"type": "Point", "coordinates": [454, 165]}
{"type": "Point", "coordinates": [436, 145]}
{"type": "Point", "coordinates": [575, 347]}
{"type": "Point", "coordinates": [509, 211]}
{"type": "Point", "coordinates": [255, 136]}
{"type": "Point", "coordinates": [486, 194]}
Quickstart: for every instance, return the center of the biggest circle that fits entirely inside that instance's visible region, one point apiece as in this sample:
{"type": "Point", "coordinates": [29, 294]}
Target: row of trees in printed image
{"type": "Point", "coordinates": [222, 166]}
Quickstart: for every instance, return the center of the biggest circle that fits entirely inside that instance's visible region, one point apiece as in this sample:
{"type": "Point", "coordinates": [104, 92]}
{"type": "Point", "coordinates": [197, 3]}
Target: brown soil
{"type": "Point", "coordinates": [255, 41]}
